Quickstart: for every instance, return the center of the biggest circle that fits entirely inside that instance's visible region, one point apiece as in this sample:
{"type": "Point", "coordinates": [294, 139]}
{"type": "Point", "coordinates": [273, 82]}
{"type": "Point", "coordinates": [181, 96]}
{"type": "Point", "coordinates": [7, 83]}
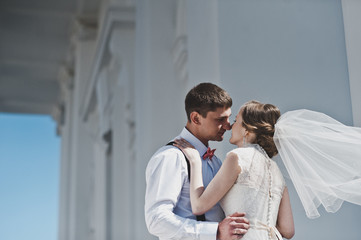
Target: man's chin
{"type": "Point", "coordinates": [219, 138]}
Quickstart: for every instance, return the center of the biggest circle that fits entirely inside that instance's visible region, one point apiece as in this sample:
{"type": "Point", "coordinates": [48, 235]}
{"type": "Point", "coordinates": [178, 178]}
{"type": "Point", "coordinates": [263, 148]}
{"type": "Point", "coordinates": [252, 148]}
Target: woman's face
{"type": "Point", "coordinates": [238, 131]}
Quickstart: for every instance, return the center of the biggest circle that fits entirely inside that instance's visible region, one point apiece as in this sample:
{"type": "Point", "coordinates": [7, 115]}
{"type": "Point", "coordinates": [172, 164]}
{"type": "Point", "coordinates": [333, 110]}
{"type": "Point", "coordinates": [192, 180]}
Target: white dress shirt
{"type": "Point", "coordinates": [168, 212]}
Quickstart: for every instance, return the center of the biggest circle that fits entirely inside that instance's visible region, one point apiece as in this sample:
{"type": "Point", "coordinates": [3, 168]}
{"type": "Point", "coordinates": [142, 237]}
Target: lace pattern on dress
{"type": "Point", "coordinates": [260, 186]}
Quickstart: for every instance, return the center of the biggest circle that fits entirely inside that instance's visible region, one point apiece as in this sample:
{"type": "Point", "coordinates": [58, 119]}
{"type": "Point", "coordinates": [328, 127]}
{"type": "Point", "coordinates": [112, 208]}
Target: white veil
{"type": "Point", "coordinates": [322, 157]}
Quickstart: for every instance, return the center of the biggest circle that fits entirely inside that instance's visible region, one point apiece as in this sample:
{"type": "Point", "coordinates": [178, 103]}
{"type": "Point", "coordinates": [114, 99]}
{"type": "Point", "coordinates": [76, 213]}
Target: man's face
{"type": "Point", "coordinates": [215, 124]}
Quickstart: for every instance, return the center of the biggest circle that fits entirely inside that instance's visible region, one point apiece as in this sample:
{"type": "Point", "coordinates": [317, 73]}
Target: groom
{"type": "Point", "coordinates": [168, 212]}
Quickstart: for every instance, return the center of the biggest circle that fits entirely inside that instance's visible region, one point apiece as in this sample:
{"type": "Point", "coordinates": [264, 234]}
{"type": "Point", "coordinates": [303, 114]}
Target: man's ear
{"type": "Point", "coordinates": [195, 118]}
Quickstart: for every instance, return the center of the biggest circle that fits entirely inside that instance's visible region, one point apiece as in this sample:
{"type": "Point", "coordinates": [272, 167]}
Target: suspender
{"type": "Point", "coordinates": [199, 217]}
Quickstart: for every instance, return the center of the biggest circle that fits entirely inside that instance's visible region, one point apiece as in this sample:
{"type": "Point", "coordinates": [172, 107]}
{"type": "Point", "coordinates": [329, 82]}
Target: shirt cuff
{"type": "Point", "coordinates": [208, 231]}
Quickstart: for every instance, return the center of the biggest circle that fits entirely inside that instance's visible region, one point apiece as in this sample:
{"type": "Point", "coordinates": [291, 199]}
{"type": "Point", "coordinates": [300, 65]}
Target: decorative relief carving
{"type": "Point", "coordinates": [113, 16]}
{"type": "Point", "coordinates": [66, 82]}
{"type": "Point", "coordinates": [180, 58]}
{"type": "Point", "coordinates": [180, 51]}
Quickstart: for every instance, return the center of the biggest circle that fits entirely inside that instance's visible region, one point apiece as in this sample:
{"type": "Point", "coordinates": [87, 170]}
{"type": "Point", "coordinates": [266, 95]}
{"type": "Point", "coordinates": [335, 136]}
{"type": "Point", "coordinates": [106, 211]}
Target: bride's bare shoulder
{"type": "Point", "coordinates": [242, 152]}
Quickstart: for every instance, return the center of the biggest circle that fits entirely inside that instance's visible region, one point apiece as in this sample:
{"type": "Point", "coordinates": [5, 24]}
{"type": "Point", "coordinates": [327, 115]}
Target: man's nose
{"type": "Point", "coordinates": [227, 125]}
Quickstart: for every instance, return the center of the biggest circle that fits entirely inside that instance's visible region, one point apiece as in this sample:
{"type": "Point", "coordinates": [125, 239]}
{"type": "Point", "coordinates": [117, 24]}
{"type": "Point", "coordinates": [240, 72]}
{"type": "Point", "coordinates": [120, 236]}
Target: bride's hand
{"type": "Point", "coordinates": [191, 153]}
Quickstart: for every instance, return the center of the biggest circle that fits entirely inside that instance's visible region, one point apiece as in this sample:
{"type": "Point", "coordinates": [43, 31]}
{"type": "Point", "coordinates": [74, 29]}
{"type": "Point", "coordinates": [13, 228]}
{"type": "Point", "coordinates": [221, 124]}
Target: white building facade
{"type": "Point", "coordinates": [134, 66]}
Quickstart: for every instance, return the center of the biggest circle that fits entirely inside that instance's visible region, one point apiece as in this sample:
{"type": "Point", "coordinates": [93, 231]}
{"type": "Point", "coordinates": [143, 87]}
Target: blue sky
{"type": "Point", "coordinates": [29, 177]}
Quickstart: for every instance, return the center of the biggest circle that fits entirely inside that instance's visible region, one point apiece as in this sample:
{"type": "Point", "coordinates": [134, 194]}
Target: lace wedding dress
{"type": "Point", "coordinates": [257, 192]}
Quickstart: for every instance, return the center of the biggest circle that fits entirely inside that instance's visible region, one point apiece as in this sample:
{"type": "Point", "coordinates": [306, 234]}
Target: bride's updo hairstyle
{"type": "Point", "coordinates": [260, 119]}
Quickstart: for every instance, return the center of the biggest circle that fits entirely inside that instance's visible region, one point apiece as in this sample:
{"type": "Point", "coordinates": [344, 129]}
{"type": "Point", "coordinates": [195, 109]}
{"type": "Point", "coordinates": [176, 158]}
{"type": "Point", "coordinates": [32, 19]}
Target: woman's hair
{"type": "Point", "coordinates": [260, 119]}
{"type": "Point", "coordinates": [206, 97]}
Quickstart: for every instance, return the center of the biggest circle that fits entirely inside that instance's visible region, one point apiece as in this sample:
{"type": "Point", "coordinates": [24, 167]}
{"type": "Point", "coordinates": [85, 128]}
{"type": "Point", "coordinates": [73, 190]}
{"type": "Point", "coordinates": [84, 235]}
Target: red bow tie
{"type": "Point", "coordinates": [209, 154]}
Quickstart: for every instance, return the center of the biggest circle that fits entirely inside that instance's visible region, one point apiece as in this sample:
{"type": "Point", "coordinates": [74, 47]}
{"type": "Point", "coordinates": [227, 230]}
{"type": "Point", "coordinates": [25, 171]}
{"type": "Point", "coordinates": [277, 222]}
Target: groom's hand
{"type": "Point", "coordinates": [233, 227]}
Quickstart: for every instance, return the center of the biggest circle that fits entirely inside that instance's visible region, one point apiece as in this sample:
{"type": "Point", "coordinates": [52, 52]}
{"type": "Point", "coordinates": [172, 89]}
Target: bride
{"type": "Point", "coordinates": [249, 180]}
{"type": "Point", "coordinates": [309, 144]}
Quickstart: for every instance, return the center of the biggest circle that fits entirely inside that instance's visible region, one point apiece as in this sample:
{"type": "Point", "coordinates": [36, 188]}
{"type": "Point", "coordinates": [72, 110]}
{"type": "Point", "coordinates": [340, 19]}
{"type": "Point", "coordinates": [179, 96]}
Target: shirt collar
{"type": "Point", "coordinates": [187, 135]}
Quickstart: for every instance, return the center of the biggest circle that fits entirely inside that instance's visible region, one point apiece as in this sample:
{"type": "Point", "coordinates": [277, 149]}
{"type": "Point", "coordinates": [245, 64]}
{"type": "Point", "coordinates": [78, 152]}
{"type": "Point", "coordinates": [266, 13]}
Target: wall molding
{"type": "Point", "coordinates": [114, 16]}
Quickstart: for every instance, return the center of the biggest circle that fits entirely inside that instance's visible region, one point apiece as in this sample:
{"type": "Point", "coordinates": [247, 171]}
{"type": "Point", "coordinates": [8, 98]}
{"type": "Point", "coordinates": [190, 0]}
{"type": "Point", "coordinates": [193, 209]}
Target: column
{"type": "Point", "coordinates": [352, 18]}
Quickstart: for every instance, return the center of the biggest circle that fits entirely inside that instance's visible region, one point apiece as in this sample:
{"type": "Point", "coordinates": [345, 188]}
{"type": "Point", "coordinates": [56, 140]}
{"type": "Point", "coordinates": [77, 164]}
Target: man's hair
{"type": "Point", "coordinates": [206, 97]}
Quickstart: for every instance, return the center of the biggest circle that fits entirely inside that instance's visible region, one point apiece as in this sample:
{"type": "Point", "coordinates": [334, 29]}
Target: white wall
{"type": "Point", "coordinates": [292, 54]}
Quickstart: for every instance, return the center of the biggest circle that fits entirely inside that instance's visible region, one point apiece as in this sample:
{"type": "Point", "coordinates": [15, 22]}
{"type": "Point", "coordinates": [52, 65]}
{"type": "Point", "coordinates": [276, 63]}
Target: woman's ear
{"type": "Point", "coordinates": [251, 137]}
{"type": "Point", "coordinates": [246, 133]}
{"type": "Point", "coordinates": [195, 118]}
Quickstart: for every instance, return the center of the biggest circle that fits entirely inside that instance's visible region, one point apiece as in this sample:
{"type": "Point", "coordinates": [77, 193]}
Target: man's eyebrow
{"type": "Point", "coordinates": [223, 117]}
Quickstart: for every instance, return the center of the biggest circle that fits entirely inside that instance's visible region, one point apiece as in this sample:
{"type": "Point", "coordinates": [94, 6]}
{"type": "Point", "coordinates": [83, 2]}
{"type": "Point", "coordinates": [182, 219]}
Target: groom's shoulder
{"type": "Point", "coordinates": [167, 152]}
{"type": "Point", "coordinates": [167, 157]}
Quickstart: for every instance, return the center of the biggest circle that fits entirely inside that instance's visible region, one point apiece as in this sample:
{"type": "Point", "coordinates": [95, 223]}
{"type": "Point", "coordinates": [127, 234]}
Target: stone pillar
{"type": "Point", "coordinates": [159, 107]}
{"type": "Point", "coordinates": [75, 172]}
{"type": "Point", "coordinates": [351, 19]}
{"type": "Point", "coordinates": [121, 74]}
{"type": "Point", "coordinates": [107, 107]}
{"type": "Point", "coordinates": [83, 140]}
{"type": "Point", "coordinates": [65, 129]}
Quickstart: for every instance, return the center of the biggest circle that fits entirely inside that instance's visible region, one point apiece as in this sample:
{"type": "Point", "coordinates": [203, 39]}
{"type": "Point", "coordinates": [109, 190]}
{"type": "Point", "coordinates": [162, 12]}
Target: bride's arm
{"type": "Point", "coordinates": [204, 199]}
{"type": "Point", "coordinates": [285, 223]}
